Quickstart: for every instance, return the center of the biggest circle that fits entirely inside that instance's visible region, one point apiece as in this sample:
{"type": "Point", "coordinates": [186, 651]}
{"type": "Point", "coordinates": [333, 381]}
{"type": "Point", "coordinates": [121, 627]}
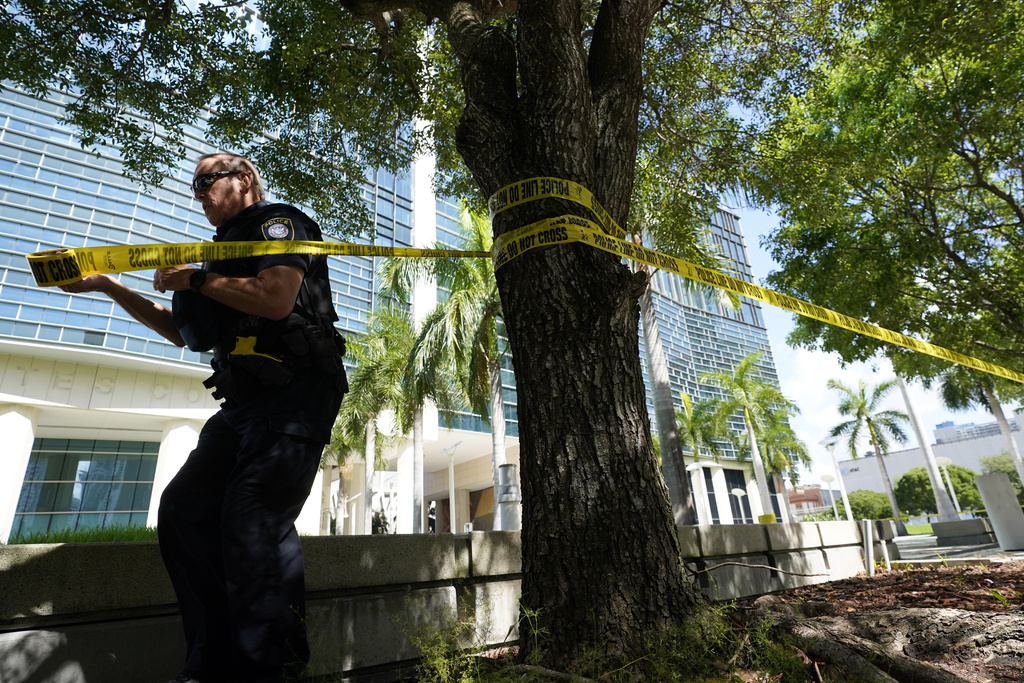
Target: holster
{"type": "Point", "coordinates": [245, 375]}
{"type": "Point", "coordinates": [314, 344]}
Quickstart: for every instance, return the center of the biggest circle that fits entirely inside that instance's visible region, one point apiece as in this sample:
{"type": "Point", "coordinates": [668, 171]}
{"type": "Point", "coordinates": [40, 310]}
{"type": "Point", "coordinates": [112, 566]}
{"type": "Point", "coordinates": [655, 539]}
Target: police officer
{"type": "Point", "coordinates": [226, 520]}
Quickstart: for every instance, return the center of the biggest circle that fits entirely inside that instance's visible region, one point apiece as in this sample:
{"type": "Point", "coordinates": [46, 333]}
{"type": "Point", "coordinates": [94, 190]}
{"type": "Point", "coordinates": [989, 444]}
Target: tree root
{"type": "Point", "coordinates": [863, 660]}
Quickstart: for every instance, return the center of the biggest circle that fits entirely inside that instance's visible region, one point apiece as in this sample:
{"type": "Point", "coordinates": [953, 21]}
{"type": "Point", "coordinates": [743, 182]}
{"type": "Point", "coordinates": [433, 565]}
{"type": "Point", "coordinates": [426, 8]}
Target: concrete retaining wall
{"type": "Point", "coordinates": [102, 613]}
{"type": "Point", "coordinates": [794, 554]}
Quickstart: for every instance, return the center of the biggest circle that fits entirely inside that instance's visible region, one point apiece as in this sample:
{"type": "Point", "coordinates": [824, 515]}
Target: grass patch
{"type": "Point", "coordinates": [108, 534]}
{"type": "Point", "coordinates": [919, 529]}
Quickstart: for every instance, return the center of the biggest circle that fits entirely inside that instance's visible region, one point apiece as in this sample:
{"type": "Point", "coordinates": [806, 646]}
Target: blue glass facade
{"type": "Point", "coordinates": [701, 334]}
{"type": "Point", "coordinates": [447, 219]}
{"type": "Point", "coordinates": [54, 194]}
{"type": "Point", "coordinates": [81, 484]}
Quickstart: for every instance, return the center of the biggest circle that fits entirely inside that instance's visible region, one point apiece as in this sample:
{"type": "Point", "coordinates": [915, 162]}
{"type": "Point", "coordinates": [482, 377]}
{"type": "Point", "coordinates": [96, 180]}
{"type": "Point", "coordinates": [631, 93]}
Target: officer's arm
{"type": "Point", "coordinates": [271, 294]}
{"type": "Point", "coordinates": [151, 314]}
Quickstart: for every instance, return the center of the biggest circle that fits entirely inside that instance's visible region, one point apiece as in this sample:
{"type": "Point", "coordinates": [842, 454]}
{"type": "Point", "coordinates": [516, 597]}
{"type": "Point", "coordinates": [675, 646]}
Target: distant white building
{"type": "Point", "coordinates": [965, 445]}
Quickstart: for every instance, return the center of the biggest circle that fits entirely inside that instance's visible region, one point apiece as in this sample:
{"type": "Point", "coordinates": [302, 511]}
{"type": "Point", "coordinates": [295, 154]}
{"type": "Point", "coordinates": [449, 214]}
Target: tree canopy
{"type": "Point", "coordinates": [916, 497]}
{"type": "Point", "coordinates": [866, 505]}
{"type": "Point", "coordinates": [899, 177]}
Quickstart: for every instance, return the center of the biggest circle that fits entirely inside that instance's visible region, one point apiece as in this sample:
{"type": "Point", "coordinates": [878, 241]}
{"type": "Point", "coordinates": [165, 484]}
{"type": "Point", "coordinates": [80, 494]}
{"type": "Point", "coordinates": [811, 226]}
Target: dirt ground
{"type": "Point", "coordinates": [991, 588]}
{"type": "Point", "coordinates": [964, 619]}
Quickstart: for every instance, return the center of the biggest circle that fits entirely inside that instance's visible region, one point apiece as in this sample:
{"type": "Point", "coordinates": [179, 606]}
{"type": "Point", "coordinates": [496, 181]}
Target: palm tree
{"type": "Point", "coordinates": [388, 376]}
{"type": "Point", "coordinates": [695, 429]}
{"type": "Point", "coordinates": [375, 385]}
{"type": "Point", "coordinates": [961, 388]}
{"type": "Point", "coordinates": [781, 450]}
{"type": "Point", "coordinates": [747, 393]}
{"type": "Point", "coordinates": [881, 425]}
{"type": "Point", "coordinates": [463, 330]}
{"type": "Point", "coordinates": [943, 504]}
{"type": "Point", "coordinates": [699, 427]}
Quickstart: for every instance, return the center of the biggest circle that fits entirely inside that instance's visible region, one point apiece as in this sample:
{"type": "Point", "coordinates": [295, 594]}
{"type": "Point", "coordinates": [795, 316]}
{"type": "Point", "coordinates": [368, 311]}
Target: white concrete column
{"type": "Point", "coordinates": [460, 512]}
{"type": "Point", "coordinates": [308, 522]}
{"type": "Point", "coordinates": [451, 490]}
{"type": "Point", "coordinates": [723, 497]}
{"type": "Point", "coordinates": [355, 522]}
{"type": "Point", "coordinates": [179, 439]}
{"type": "Point", "coordinates": [18, 430]}
{"type": "Point", "coordinates": [700, 492]}
{"type": "Point", "coordinates": [404, 488]}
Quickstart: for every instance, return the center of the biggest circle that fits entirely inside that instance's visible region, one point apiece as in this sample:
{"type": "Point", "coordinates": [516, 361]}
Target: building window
{"type": "Point", "coordinates": [740, 505]}
{"type": "Point", "coordinates": [84, 483]}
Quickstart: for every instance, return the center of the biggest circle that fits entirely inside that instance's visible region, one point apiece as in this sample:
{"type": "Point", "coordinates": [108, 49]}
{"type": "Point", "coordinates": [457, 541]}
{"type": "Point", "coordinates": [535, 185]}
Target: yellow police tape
{"type": "Point", "coordinates": [569, 229]}
{"type": "Point", "coordinates": [57, 267]}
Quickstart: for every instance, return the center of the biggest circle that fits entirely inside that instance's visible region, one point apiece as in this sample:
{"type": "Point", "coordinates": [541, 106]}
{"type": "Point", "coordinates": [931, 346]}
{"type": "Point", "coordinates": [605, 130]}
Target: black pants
{"type": "Point", "coordinates": [228, 540]}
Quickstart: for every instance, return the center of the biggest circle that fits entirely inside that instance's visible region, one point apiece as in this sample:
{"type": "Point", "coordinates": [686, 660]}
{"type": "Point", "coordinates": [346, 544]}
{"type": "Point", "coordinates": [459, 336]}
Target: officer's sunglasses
{"type": "Point", "coordinates": [202, 183]}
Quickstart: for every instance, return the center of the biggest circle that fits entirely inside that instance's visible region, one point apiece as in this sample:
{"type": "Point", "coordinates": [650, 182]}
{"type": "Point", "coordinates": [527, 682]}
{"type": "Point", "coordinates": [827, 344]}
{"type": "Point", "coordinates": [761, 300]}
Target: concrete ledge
{"type": "Point", "coordinates": [732, 539]}
{"type": "Point", "coordinates": [796, 536]}
{"type": "Point", "coordinates": [839, 533]}
{"type": "Point", "coordinates": [804, 567]}
{"type": "Point", "coordinates": [495, 553]}
{"type": "Point", "coordinates": [844, 563]}
{"type": "Point", "coordinates": [345, 562]}
{"type": "Point", "coordinates": [106, 612]}
{"type": "Point", "coordinates": [736, 581]}
{"type": "Point", "coordinates": [976, 531]}
{"type": "Point", "coordinates": [42, 581]}
{"type": "Point", "coordinates": [689, 541]}
{"type": "Point", "coordinates": [885, 529]}
{"type": "Point", "coordinates": [367, 630]}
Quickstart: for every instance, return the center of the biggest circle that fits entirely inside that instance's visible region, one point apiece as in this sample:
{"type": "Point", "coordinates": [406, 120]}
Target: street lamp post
{"type": "Point", "coordinates": [828, 479]}
{"type": "Point", "coordinates": [839, 476]}
{"type": "Point", "coordinates": [450, 452]}
{"type": "Point", "coordinates": [739, 493]}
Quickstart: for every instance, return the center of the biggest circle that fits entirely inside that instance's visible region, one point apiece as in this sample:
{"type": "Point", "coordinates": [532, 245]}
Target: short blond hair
{"type": "Point", "coordinates": [228, 161]}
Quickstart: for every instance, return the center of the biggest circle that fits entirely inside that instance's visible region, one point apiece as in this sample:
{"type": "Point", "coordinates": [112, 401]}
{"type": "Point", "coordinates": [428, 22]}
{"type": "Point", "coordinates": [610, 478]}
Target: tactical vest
{"type": "Point", "coordinates": [251, 352]}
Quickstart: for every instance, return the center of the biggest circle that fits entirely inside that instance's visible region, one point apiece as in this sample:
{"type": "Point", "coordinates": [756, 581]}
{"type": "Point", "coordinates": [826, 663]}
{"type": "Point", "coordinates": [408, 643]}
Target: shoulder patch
{"type": "Point", "coordinates": [278, 228]}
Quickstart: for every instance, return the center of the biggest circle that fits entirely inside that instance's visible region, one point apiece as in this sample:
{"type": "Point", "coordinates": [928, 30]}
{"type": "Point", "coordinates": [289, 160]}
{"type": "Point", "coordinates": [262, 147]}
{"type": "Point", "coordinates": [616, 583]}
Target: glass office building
{"type": "Point", "coordinates": [699, 334]}
{"type": "Point", "coordinates": [98, 412]}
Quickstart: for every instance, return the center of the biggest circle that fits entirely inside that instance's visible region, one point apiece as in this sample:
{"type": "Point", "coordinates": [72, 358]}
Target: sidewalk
{"type": "Point", "coordinates": [923, 548]}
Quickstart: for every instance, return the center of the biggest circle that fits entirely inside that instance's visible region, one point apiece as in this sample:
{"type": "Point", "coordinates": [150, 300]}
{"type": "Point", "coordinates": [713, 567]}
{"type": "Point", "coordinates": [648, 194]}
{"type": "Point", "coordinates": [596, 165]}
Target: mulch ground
{"type": "Point", "coordinates": [995, 588]}
{"type": "Point", "coordinates": [984, 588]}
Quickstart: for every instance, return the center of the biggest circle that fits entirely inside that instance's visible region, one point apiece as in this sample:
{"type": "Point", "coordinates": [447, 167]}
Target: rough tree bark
{"type": "Point", "coordinates": [600, 552]}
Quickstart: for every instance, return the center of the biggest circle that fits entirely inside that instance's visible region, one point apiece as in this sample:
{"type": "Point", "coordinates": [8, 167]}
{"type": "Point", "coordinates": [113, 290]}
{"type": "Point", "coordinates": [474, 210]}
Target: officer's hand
{"type": "Point", "coordinates": [90, 283]}
{"type": "Point", "coordinates": [173, 279]}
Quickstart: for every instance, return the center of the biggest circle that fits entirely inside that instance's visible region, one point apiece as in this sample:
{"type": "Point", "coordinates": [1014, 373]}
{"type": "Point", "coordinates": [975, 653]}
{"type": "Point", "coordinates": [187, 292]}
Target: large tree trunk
{"type": "Point", "coordinates": [600, 552]}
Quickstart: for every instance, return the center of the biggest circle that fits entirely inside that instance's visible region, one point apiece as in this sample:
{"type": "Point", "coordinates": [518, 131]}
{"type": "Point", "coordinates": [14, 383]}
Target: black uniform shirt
{"type": "Point", "coordinates": [308, 404]}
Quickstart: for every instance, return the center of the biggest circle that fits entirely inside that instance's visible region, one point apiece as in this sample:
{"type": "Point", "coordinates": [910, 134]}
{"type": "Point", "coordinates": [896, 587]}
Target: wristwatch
{"type": "Point", "coordinates": [196, 280]}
